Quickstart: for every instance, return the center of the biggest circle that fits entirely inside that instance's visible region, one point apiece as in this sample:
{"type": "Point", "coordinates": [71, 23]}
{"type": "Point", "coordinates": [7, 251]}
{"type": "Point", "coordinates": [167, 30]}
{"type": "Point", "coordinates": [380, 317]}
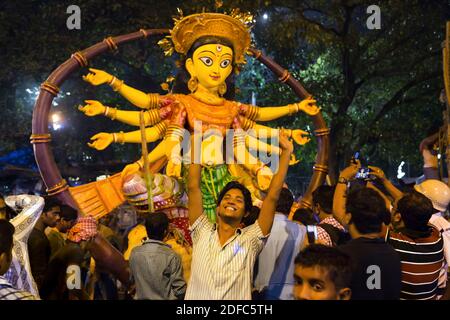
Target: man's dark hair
{"type": "Point", "coordinates": [156, 225]}
{"type": "Point", "coordinates": [367, 208]}
{"type": "Point", "coordinates": [334, 261]}
{"type": "Point", "coordinates": [252, 216]}
{"type": "Point", "coordinates": [68, 213]}
{"type": "Point", "coordinates": [6, 236]}
{"type": "Point", "coordinates": [285, 201]}
{"type": "Point", "coordinates": [236, 185]}
{"type": "Point", "coordinates": [305, 216]}
{"type": "Point", "coordinates": [51, 203]}
{"type": "Point", "coordinates": [323, 196]}
{"type": "Point", "coordinates": [416, 210]}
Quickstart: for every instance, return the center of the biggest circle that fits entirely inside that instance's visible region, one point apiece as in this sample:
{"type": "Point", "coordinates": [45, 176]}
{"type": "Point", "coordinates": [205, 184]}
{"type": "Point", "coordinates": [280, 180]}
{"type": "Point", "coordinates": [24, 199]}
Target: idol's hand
{"type": "Point", "coordinates": [293, 160]}
{"type": "Point", "coordinates": [101, 141]}
{"type": "Point", "coordinates": [173, 169]}
{"type": "Point", "coordinates": [299, 136]}
{"type": "Point", "coordinates": [92, 108]}
{"type": "Point", "coordinates": [97, 77]}
{"type": "Point", "coordinates": [264, 177]}
{"type": "Point", "coordinates": [130, 169]}
{"type": "Point", "coordinates": [309, 106]}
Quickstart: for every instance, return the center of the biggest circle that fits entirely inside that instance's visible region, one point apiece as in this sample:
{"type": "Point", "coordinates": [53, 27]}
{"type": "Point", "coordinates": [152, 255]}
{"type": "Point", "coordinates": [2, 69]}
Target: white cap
{"type": "Point", "coordinates": [437, 191]}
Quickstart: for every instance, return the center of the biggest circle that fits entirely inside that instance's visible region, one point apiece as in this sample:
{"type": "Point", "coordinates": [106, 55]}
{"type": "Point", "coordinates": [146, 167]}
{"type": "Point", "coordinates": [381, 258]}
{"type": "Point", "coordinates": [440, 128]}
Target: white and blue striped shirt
{"type": "Point", "coordinates": [223, 272]}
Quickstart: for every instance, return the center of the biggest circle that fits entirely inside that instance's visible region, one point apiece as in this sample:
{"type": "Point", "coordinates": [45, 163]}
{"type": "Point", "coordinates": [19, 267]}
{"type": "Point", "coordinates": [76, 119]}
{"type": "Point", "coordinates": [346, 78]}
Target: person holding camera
{"type": "Point", "coordinates": [376, 268]}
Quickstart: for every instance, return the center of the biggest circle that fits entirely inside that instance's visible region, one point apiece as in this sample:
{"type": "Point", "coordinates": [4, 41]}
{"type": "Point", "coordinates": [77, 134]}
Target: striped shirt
{"type": "Point", "coordinates": [223, 272]}
{"type": "Point", "coordinates": [422, 261]}
{"type": "Point", "coordinates": [8, 292]}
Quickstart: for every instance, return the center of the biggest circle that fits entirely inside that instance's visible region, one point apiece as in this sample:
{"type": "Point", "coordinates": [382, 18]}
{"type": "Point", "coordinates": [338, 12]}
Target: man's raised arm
{"type": "Point", "coordinates": [269, 205]}
{"type": "Point", "coordinates": [195, 203]}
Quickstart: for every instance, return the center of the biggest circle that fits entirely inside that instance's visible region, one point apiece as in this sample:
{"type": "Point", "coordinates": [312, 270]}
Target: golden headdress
{"type": "Point", "coordinates": [233, 27]}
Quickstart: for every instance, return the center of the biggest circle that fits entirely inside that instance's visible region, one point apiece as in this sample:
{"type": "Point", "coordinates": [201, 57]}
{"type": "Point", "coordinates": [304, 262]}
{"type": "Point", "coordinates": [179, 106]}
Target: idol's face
{"type": "Point", "coordinates": [211, 64]}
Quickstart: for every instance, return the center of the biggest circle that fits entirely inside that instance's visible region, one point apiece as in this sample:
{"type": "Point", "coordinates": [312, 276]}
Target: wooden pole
{"type": "Point", "coordinates": [147, 175]}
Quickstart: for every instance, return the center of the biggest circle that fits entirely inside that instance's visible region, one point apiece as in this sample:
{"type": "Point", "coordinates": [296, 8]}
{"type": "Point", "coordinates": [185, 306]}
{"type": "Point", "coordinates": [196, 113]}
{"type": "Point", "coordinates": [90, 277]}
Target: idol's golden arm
{"type": "Point", "coordinates": [272, 113]}
{"type": "Point", "coordinates": [131, 117]}
{"type": "Point", "coordinates": [260, 131]}
{"type": "Point", "coordinates": [255, 144]}
{"type": "Point", "coordinates": [136, 97]}
{"type": "Point", "coordinates": [157, 153]}
{"type": "Point", "coordinates": [152, 134]}
{"type": "Point", "coordinates": [98, 77]}
{"type": "Point", "coordinates": [255, 113]}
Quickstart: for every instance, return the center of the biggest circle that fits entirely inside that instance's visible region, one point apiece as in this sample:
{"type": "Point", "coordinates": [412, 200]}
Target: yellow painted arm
{"type": "Point", "coordinates": [157, 153]}
{"type": "Point", "coordinates": [151, 134]}
{"type": "Point", "coordinates": [271, 113]}
{"type": "Point", "coordinates": [262, 173]}
{"type": "Point", "coordinates": [151, 117]}
{"type": "Point", "coordinates": [102, 140]}
{"type": "Point", "coordinates": [260, 131]}
{"type": "Point", "coordinates": [138, 98]}
{"type": "Point", "coordinates": [254, 144]}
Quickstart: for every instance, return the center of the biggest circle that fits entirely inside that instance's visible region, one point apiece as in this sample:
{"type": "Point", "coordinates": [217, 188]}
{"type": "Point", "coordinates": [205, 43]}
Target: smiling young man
{"type": "Point", "coordinates": [223, 254]}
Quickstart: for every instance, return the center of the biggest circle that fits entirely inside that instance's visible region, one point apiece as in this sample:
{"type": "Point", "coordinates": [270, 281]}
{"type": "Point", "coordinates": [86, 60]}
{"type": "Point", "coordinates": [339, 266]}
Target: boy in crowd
{"type": "Point", "coordinates": [322, 273]}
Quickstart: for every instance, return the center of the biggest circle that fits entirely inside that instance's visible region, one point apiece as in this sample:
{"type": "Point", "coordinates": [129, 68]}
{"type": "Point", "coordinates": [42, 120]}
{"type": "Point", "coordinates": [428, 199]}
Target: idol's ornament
{"type": "Point", "coordinates": [212, 48]}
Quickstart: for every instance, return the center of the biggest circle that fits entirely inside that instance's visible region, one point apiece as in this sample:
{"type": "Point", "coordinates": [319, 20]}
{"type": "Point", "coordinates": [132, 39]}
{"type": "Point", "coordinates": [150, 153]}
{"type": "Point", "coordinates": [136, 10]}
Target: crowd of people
{"type": "Point", "coordinates": [363, 239]}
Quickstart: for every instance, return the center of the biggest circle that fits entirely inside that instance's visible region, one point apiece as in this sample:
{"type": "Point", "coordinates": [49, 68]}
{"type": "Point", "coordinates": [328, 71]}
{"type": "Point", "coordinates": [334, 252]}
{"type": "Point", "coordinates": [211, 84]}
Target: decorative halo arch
{"type": "Point", "coordinates": [49, 89]}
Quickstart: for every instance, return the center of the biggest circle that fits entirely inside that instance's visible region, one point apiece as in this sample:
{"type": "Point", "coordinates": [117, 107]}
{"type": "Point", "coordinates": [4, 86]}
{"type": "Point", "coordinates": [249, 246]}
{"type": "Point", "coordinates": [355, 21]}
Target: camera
{"type": "Point", "coordinates": [363, 173]}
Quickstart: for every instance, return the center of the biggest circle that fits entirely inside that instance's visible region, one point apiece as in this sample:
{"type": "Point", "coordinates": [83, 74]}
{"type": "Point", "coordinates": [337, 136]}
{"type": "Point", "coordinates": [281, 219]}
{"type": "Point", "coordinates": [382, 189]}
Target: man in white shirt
{"type": "Point", "coordinates": [223, 254]}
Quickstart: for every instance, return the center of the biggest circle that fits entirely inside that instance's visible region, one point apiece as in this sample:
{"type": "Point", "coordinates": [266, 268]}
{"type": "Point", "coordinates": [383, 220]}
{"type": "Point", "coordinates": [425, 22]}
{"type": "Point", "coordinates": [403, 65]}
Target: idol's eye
{"type": "Point", "coordinates": [207, 61]}
{"type": "Point", "coordinates": [225, 63]}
